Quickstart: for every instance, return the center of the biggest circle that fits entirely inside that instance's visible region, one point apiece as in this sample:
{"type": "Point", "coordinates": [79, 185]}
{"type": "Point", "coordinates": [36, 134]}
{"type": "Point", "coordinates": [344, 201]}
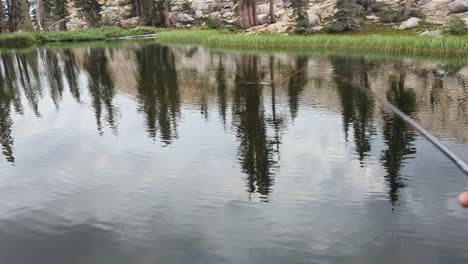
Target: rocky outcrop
{"type": "Point", "coordinates": [185, 13]}
{"type": "Point", "coordinates": [113, 11]}
{"type": "Point", "coordinates": [459, 6]}
{"type": "Point", "coordinates": [435, 11]}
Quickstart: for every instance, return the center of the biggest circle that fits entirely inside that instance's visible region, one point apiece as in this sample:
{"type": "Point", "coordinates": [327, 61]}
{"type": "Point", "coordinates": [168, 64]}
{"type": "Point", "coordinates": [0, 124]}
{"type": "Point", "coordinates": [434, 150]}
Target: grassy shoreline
{"type": "Point", "coordinates": [18, 39]}
{"type": "Point", "coordinates": [385, 43]}
{"type": "Point", "coordinates": [396, 44]}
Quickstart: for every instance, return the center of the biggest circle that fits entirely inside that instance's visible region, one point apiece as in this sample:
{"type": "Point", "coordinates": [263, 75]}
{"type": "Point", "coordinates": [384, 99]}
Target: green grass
{"type": "Point", "coordinates": [404, 44]}
{"type": "Point", "coordinates": [104, 33]}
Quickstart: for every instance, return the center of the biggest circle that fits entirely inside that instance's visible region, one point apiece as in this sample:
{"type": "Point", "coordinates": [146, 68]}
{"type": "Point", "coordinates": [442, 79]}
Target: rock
{"type": "Point", "coordinates": [263, 9]}
{"type": "Point", "coordinates": [184, 18]}
{"type": "Point", "coordinates": [198, 13]}
{"type": "Point", "coordinates": [459, 6]}
{"type": "Point", "coordinates": [227, 15]}
{"type": "Point", "coordinates": [110, 9]}
{"type": "Point", "coordinates": [434, 33]}
{"type": "Point", "coordinates": [324, 10]}
{"type": "Point", "coordinates": [256, 29]}
{"type": "Point", "coordinates": [313, 18]}
{"type": "Point", "coordinates": [280, 27]}
{"type": "Point", "coordinates": [373, 18]}
{"type": "Point", "coordinates": [435, 11]}
{"type": "Point", "coordinates": [410, 23]}
{"type": "Point", "coordinates": [284, 18]}
{"type": "Point", "coordinates": [279, 12]}
{"type": "Point", "coordinates": [439, 72]}
{"type": "Point", "coordinates": [215, 14]}
{"type": "Point", "coordinates": [317, 29]}
{"type": "Point", "coordinates": [263, 18]}
{"type": "Point", "coordinates": [132, 22]}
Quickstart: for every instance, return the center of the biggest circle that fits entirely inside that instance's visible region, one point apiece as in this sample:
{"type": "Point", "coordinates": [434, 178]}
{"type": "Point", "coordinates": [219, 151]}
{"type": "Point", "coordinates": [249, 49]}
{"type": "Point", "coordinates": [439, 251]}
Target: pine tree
{"type": "Point", "coordinates": [3, 21]}
{"type": "Point", "coordinates": [25, 19]}
{"type": "Point", "coordinates": [90, 10]}
{"type": "Point", "coordinates": [13, 15]}
{"type": "Point", "coordinates": [59, 12]}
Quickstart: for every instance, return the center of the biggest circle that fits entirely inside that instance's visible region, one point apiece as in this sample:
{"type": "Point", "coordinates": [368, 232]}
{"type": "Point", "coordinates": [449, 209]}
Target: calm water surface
{"type": "Point", "coordinates": [143, 153]}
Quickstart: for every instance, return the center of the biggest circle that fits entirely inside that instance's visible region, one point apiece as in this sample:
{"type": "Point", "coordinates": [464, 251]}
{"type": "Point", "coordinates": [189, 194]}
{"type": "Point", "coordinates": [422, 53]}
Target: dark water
{"type": "Point", "coordinates": [142, 153]}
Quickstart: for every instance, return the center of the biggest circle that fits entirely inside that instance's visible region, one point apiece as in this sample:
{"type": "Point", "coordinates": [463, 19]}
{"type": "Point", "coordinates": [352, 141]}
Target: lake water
{"type": "Point", "coordinates": [142, 153]}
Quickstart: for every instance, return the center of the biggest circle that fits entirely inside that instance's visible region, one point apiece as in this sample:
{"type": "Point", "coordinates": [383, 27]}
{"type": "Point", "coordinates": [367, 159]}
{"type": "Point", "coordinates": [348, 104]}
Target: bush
{"type": "Point", "coordinates": [348, 17]}
{"type": "Point", "coordinates": [416, 12]}
{"type": "Point", "coordinates": [366, 4]}
{"type": "Point", "coordinates": [187, 7]}
{"type": "Point", "coordinates": [390, 16]}
{"type": "Point", "coordinates": [378, 7]}
{"type": "Point", "coordinates": [455, 26]}
{"type": "Point", "coordinates": [214, 23]}
{"type": "Point", "coordinates": [302, 25]}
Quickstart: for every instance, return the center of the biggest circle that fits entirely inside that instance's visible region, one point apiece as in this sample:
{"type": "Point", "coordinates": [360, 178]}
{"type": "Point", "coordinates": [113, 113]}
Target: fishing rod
{"type": "Point", "coordinates": [460, 163]}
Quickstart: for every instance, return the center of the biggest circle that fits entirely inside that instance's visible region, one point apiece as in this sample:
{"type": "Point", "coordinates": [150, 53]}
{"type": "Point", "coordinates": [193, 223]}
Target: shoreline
{"type": "Point", "coordinates": [402, 44]}
{"type": "Point", "coordinates": [388, 44]}
{"type": "Point", "coordinates": [105, 33]}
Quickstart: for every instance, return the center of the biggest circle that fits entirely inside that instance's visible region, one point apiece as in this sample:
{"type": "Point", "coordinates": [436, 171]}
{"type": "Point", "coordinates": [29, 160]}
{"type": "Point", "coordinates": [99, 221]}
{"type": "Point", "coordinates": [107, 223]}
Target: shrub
{"type": "Point", "coordinates": [214, 23]}
{"type": "Point", "coordinates": [416, 12]}
{"type": "Point", "coordinates": [378, 6]}
{"type": "Point", "coordinates": [124, 2]}
{"type": "Point", "coordinates": [348, 16]}
{"type": "Point", "coordinates": [302, 25]}
{"type": "Point", "coordinates": [366, 4]}
{"type": "Point", "coordinates": [390, 16]}
{"type": "Point", "coordinates": [455, 26]}
{"type": "Point", "coordinates": [187, 8]}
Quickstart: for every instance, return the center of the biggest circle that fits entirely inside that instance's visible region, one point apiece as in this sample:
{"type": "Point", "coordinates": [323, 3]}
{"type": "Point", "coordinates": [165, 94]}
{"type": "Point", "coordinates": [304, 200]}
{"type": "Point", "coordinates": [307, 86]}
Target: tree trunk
{"type": "Point", "coordinates": [245, 23]}
{"type": "Point", "coordinates": [137, 5]}
{"type": "Point", "coordinates": [272, 11]}
{"type": "Point", "coordinates": [40, 14]}
{"type": "Point", "coordinates": [300, 10]}
{"type": "Point", "coordinates": [248, 13]}
{"type": "Point", "coordinates": [254, 12]}
{"type": "Point", "coordinates": [2, 17]}
{"type": "Point", "coordinates": [13, 15]}
{"type": "Point", "coordinates": [167, 22]}
{"type": "Point", "coordinates": [63, 15]}
{"type": "Point", "coordinates": [407, 9]}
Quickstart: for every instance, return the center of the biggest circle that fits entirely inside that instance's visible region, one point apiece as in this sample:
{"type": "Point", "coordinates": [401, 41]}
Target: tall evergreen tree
{"type": "Point", "coordinates": [90, 10]}
{"type": "Point", "coordinates": [13, 15]}
{"type": "Point", "coordinates": [25, 19]}
{"type": "Point", "coordinates": [3, 20]}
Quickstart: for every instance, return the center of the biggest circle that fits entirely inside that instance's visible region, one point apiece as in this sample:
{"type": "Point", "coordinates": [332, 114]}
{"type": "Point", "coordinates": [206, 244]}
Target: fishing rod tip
{"type": "Point", "coordinates": [463, 199]}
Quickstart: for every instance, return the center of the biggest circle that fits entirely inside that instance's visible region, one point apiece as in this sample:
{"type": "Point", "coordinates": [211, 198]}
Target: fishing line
{"type": "Point", "coordinates": [460, 163]}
